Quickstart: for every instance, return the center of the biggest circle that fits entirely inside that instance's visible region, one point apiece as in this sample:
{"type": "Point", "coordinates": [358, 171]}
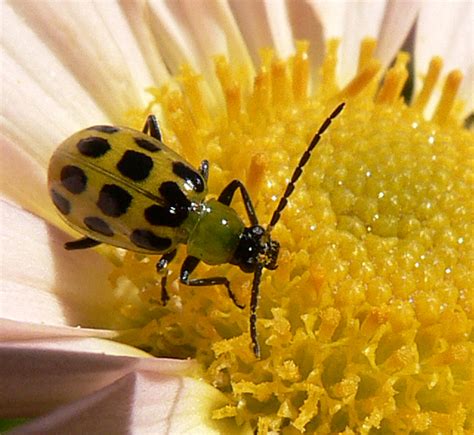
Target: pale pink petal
{"type": "Point", "coordinates": [215, 30]}
{"type": "Point", "coordinates": [388, 21]}
{"type": "Point", "coordinates": [42, 97]}
{"type": "Point", "coordinates": [192, 32]}
{"type": "Point", "coordinates": [398, 20]}
{"type": "Point", "coordinates": [23, 179]}
{"type": "Point", "coordinates": [12, 330]}
{"type": "Point", "coordinates": [306, 25]}
{"type": "Point", "coordinates": [116, 23]}
{"type": "Point", "coordinates": [77, 35]}
{"type": "Point", "coordinates": [264, 24]}
{"type": "Point", "coordinates": [332, 15]}
{"type": "Point", "coordinates": [144, 403]}
{"type": "Point", "coordinates": [43, 283]}
{"type": "Point", "coordinates": [37, 376]}
{"type": "Point", "coordinates": [362, 20]}
{"type": "Point", "coordinates": [139, 18]}
{"type": "Point", "coordinates": [446, 29]}
{"type": "Point", "coordinates": [168, 24]}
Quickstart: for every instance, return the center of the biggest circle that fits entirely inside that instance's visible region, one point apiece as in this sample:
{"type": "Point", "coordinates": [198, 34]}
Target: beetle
{"type": "Point", "coordinates": [125, 188]}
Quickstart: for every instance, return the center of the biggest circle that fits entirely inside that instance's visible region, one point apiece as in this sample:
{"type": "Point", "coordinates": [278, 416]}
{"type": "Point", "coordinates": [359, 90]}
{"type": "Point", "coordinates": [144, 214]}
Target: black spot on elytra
{"type": "Point", "coordinates": [173, 195]}
{"type": "Point", "coordinates": [189, 175]}
{"type": "Point", "coordinates": [113, 200]}
{"type": "Point", "coordinates": [147, 145]}
{"type": "Point", "coordinates": [98, 225]}
{"type": "Point", "coordinates": [135, 165]}
{"type": "Point", "coordinates": [61, 203]}
{"type": "Point", "coordinates": [73, 179]}
{"type": "Point", "coordinates": [149, 240]}
{"type": "Point", "coordinates": [104, 128]}
{"type": "Point", "coordinates": [93, 146]}
{"type": "Point", "coordinates": [166, 216]}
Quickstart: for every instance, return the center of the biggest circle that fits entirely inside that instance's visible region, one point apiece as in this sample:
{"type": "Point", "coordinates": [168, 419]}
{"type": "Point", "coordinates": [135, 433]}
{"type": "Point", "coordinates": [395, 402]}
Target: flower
{"type": "Point", "coordinates": [365, 325]}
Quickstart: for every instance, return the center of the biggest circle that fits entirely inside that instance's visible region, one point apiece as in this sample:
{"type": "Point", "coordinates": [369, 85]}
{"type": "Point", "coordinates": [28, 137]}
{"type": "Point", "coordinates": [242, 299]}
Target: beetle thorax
{"type": "Point", "coordinates": [216, 233]}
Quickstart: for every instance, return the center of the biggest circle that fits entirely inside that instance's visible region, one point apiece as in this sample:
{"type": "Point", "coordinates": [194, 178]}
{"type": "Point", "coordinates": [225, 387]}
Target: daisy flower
{"type": "Point", "coordinates": [366, 324]}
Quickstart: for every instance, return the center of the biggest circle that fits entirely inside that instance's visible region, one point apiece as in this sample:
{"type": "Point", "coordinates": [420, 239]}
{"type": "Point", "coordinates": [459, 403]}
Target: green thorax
{"type": "Point", "coordinates": [216, 233]}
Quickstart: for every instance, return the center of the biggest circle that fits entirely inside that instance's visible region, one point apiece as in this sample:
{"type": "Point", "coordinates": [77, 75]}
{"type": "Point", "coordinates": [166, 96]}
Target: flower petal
{"type": "Point", "coordinates": [102, 69]}
{"type": "Point", "coordinates": [453, 44]}
{"type": "Point", "coordinates": [121, 392]}
{"type": "Point", "coordinates": [37, 86]}
{"type": "Point", "coordinates": [18, 169]}
{"type": "Point", "coordinates": [142, 403]}
{"type": "Point", "coordinates": [398, 20]}
{"type": "Point", "coordinates": [43, 283]}
{"type": "Point", "coordinates": [12, 330]}
{"type": "Point", "coordinates": [37, 376]}
{"type": "Point", "coordinates": [264, 24]}
{"type": "Point", "coordinates": [138, 16]}
{"type": "Point", "coordinates": [192, 32]}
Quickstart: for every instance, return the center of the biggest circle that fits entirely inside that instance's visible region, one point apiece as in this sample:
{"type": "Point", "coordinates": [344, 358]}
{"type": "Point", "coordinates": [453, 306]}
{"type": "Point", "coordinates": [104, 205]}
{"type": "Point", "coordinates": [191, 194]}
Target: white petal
{"type": "Point", "coordinates": [43, 283]}
{"type": "Point", "coordinates": [398, 20]}
{"type": "Point", "coordinates": [192, 32]}
{"type": "Point", "coordinates": [41, 95]}
{"type": "Point", "coordinates": [138, 15]}
{"type": "Point", "coordinates": [12, 330]}
{"type": "Point", "coordinates": [76, 34]}
{"type": "Point", "coordinates": [23, 179]}
{"type": "Point", "coordinates": [306, 25]}
{"type": "Point", "coordinates": [213, 27]}
{"type": "Point", "coordinates": [264, 24]}
{"type": "Point", "coordinates": [362, 19]}
{"type": "Point", "coordinates": [353, 21]}
{"type": "Point", "coordinates": [446, 29]}
{"type": "Point", "coordinates": [37, 376]}
{"type": "Point", "coordinates": [145, 403]}
{"type": "Point", "coordinates": [169, 26]}
{"type": "Point", "coordinates": [113, 394]}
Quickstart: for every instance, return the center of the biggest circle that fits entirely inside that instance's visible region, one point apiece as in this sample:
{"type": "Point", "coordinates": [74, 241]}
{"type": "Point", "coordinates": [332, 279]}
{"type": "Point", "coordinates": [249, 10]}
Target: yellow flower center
{"type": "Point", "coordinates": [367, 322]}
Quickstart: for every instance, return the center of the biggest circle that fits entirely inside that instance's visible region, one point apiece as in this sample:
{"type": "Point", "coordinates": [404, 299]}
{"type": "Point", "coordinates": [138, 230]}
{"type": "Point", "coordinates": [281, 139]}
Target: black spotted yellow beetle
{"type": "Point", "coordinates": [126, 188]}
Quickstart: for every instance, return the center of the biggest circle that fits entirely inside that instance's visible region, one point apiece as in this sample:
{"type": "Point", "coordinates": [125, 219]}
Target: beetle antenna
{"type": "Point", "coordinates": [299, 169]}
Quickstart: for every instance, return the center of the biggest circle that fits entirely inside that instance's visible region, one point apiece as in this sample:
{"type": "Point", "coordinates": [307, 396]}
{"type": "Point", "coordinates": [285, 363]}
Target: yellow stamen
{"type": "Point", "coordinates": [281, 87]}
{"type": "Point", "coordinates": [366, 54]}
{"type": "Point", "coordinates": [429, 83]}
{"type": "Point", "coordinates": [394, 81]}
{"type": "Point", "coordinates": [194, 94]}
{"type": "Point", "coordinates": [448, 96]}
{"type": "Point", "coordinates": [231, 89]}
{"type": "Point", "coordinates": [301, 71]}
{"type": "Point", "coordinates": [329, 68]}
{"type": "Point", "coordinates": [361, 81]}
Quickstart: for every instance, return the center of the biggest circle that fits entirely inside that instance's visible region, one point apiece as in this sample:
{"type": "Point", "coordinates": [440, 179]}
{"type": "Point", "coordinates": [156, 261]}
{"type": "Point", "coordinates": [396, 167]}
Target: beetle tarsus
{"type": "Point", "coordinates": [161, 269]}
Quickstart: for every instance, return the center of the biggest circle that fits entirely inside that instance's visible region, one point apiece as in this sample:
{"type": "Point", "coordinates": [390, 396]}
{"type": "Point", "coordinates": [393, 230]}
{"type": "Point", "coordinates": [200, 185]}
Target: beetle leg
{"type": "Point", "coordinates": [84, 243]}
{"type": "Point", "coordinates": [152, 127]}
{"type": "Point", "coordinates": [257, 277]}
{"type": "Point", "coordinates": [228, 193]}
{"type": "Point", "coordinates": [160, 268]}
{"type": "Point", "coordinates": [189, 264]}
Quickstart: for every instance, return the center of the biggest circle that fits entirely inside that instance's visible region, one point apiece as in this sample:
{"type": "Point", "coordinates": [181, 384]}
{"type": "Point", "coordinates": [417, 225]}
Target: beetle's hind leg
{"type": "Point", "coordinates": [84, 243]}
{"type": "Point", "coordinates": [189, 264]}
{"type": "Point", "coordinates": [161, 267]}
